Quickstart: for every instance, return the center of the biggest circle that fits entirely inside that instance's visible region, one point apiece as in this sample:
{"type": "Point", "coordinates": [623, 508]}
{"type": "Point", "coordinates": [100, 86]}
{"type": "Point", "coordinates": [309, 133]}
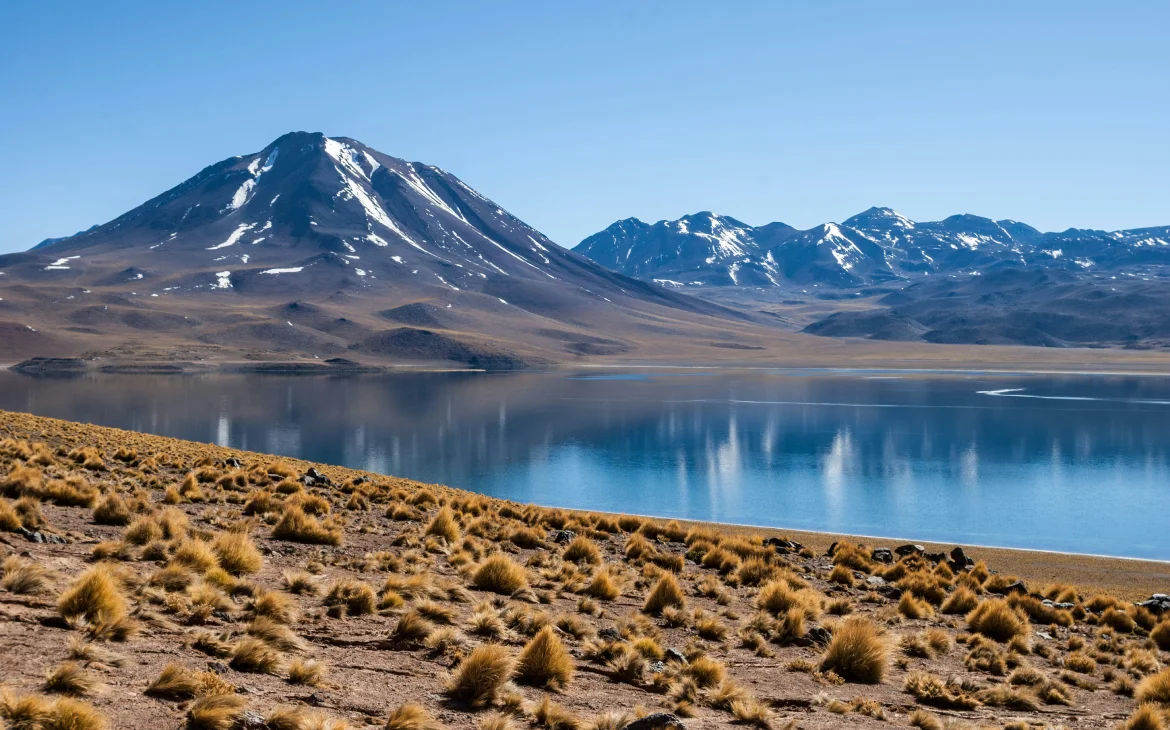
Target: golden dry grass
{"type": "Point", "coordinates": [857, 652]}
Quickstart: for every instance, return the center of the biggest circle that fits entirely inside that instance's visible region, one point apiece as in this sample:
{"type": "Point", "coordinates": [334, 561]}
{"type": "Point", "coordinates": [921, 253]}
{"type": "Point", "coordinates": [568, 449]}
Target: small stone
{"type": "Point", "coordinates": [317, 699]}
{"type": "Point", "coordinates": [958, 556]}
{"type": "Point", "coordinates": [832, 550]}
{"type": "Point", "coordinates": [233, 462]}
{"type": "Point", "coordinates": [1158, 604]}
{"type": "Point", "coordinates": [909, 549]}
{"type": "Point", "coordinates": [609, 633]}
{"type": "Point", "coordinates": [875, 580]}
{"type": "Point", "coordinates": [883, 555]}
{"type": "Point", "coordinates": [890, 591]}
{"type": "Point", "coordinates": [657, 721]}
{"type": "Point", "coordinates": [819, 635]}
{"type": "Point", "coordinates": [563, 536]}
{"type": "Point", "coordinates": [251, 719]}
{"type": "Point", "coordinates": [656, 667]}
{"type": "Point", "coordinates": [674, 655]}
{"type": "Point", "coordinates": [218, 667]}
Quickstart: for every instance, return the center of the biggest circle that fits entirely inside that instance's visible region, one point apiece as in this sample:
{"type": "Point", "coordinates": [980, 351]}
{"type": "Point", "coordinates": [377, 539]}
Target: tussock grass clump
{"type": "Point", "coordinates": [1154, 688]}
{"type": "Point", "coordinates": [276, 635]}
{"type": "Point", "coordinates": [237, 553]}
{"type": "Point", "coordinates": [176, 682]}
{"type": "Point", "coordinates": [444, 525]}
{"type": "Point", "coordinates": [963, 600]}
{"type": "Point", "coordinates": [411, 716]}
{"type": "Point", "coordinates": [544, 662]}
{"type": "Point", "coordinates": [70, 678]}
{"type": "Point", "coordinates": [196, 555]}
{"type": "Point", "coordinates": [215, 712]}
{"type": "Point", "coordinates": [1145, 717]}
{"type": "Point", "coordinates": [411, 628]}
{"type": "Point", "coordinates": [857, 652]}
{"type": "Point", "coordinates": [914, 608]}
{"type": "Point", "coordinates": [552, 716]}
{"type": "Point", "coordinates": [666, 592]}
{"type": "Point", "coordinates": [9, 520]}
{"type": "Point", "coordinates": [274, 605]}
{"type": "Point", "coordinates": [111, 510]}
{"type": "Point", "coordinates": [350, 597]}
{"type": "Point", "coordinates": [779, 597]}
{"type": "Point", "coordinates": [996, 619]}
{"type": "Point", "coordinates": [297, 526]}
{"type": "Point", "coordinates": [477, 680]}
{"type": "Point", "coordinates": [141, 531]}
{"type": "Point", "coordinates": [500, 574]}
{"type": "Point", "coordinates": [36, 712]}
{"type": "Point", "coordinates": [23, 577]}
{"type": "Point", "coordinates": [95, 597]}
{"type": "Point", "coordinates": [307, 672]}
{"type": "Point", "coordinates": [255, 656]}
{"type": "Point", "coordinates": [607, 585]}
{"type": "Point", "coordinates": [931, 690]}
{"type": "Point", "coordinates": [583, 550]}
{"type": "Point", "coordinates": [1161, 635]}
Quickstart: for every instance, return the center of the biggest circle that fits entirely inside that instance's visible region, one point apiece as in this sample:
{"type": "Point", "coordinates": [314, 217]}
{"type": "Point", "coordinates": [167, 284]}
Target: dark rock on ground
{"type": "Point", "coordinates": [657, 721]}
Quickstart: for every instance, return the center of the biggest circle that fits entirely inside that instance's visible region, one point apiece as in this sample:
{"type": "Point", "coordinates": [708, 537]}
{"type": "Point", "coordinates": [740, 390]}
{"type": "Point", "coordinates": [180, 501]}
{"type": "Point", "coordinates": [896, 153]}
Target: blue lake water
{"type": "Point", "coordinates": [1070, 463]}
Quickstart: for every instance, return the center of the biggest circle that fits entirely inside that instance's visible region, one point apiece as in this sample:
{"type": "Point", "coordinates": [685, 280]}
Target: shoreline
{"type": "Point", "coordinates": [313, 367]}
{"type": "Point", "coordinates": [1128, 578]}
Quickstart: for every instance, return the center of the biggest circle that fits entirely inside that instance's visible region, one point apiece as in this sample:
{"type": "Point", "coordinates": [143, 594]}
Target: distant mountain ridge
{"type": "Point", "coordinates": [876, 246]}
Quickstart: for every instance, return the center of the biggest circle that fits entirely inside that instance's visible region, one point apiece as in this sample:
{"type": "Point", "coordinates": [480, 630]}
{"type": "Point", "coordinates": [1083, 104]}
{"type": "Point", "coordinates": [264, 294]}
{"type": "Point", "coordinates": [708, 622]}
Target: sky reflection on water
{"type": "Point", "coordinates": [1078, 464]}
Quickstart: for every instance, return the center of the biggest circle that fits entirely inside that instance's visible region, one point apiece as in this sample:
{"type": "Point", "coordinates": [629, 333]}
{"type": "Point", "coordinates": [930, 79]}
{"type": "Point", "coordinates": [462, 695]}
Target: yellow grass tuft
{"type": "Point", "coordinates": [996, 619]}
{"type": "Point", "coordinates": [1154, 688]}
{"type": "Point", "coordinates": [444, 526]}
{"type": "Point", "coordinates": [605, 585]}
{"type": "Point", "coordinates": [111, 510]}
{"type": "Point", "coordinates": [666, 592]}
{"type": "Point", "coordinates": [500, 574]}
{"type": "Point", "coordinates": [1146, 717]}
{"type": "Point", "coordinates": [963, 600]}
{"type": "Point", "coordinates": [215, 712]}
{"type": "Point", "coordinates": [296, 526]}
{"type": "Point", "coordinates": [583, 550]}
{"type": "Point", "coordinates": [237, 553]}
{"type": "Point", "coordinates": [23, 577]}
{"type": "Point", "coordinates": [255, 656]}
{"type": "Point", "coordinates": [857, 652]}
{"type": "Point", "coordinates": [307, 672]}
{"type": "Point", "coordinates": [95, 597]}
{"type": "Point", "coordinates": [477, 680]}
{"type": "Point", "coordinates": [545, 662]}
{"type": "Point", "coordinates": [411, 716]}
{"type": "Point", "coordinates": [70, 678]}
{"type": "Point", "coordinates": [552, 716]}
{"type": "Point", "coordinates": [351, 597]}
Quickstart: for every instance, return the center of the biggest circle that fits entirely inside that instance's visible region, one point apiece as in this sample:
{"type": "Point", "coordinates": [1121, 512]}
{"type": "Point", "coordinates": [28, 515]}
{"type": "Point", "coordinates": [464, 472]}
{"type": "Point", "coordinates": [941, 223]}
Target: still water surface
{"type": "Point", "coordinates": [1071, 463]}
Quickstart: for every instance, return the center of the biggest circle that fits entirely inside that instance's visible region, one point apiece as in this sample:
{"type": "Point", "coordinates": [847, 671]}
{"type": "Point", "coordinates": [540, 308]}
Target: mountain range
{"type": "Point", "coordinates": [876, 247]}
{"type": "Point", "coordinates": [322, 248]}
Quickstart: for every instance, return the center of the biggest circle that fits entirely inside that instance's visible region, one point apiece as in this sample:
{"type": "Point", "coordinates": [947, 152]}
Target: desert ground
{"type": "Point", "coordinates": [151, 582]}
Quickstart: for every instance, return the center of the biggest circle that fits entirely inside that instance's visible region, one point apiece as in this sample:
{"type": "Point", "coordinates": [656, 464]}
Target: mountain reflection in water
{"type": "Point", "coordinates": [1080, 464]}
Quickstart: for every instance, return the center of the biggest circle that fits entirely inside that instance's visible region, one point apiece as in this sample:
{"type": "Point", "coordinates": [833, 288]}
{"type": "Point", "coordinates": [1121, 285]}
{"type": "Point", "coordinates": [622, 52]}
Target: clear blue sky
{"type": "Point", "coordinates": [573, 115]}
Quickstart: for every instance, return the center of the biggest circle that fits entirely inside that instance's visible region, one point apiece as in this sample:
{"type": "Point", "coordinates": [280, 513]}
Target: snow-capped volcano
{"type": "Point", "coordinates": [355, 239]}
{"type": "Point", "coordinates": [310, 213]}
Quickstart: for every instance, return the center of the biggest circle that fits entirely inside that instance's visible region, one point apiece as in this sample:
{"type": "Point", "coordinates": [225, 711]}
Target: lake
{"type": "Point", "coordinates": [1068, 463]}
